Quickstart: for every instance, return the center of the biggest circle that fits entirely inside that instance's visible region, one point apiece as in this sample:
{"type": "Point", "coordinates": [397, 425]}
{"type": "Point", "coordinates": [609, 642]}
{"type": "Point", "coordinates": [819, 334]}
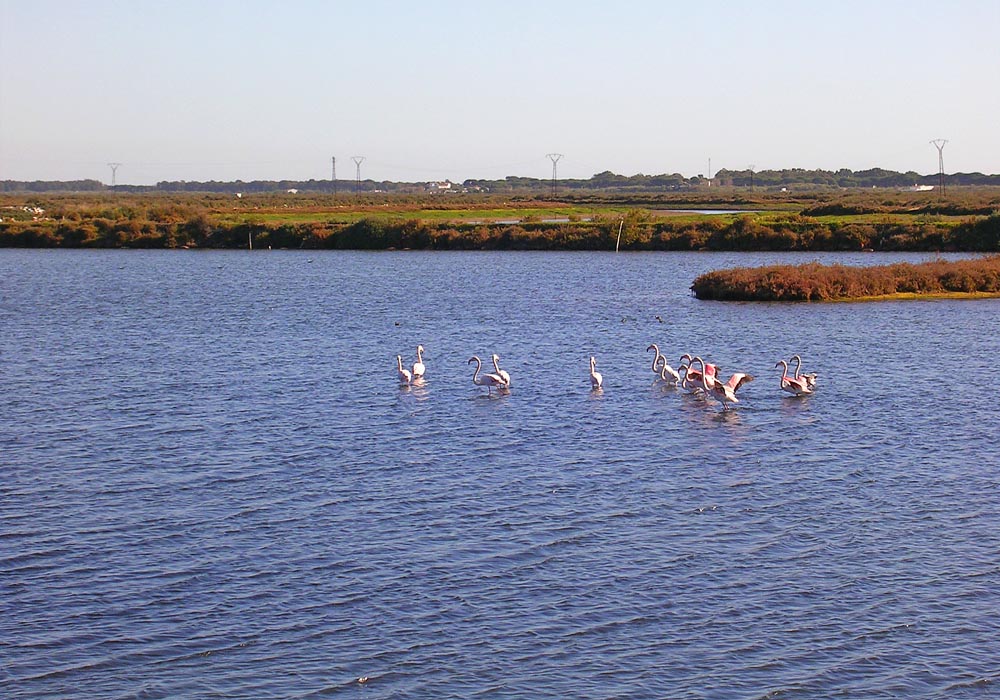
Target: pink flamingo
{"type": "Point", "coordinates": [693, 377]}
{"type": "Point", "coordinates": [796, 386]}
{"type": "Point", "coordinates": [724, 391]}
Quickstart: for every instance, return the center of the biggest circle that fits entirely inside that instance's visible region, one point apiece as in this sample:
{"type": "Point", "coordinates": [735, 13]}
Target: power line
{"type": "Point", "coordinates": [333, 175]}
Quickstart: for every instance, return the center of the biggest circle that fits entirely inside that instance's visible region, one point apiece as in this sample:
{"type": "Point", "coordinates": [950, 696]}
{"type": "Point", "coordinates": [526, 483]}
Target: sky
{"type": "Point", "coordinates": [272, 90]}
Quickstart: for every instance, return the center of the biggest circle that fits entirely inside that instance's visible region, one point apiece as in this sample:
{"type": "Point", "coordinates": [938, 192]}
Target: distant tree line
{"type": "Point", "coordinates": [605, 181]}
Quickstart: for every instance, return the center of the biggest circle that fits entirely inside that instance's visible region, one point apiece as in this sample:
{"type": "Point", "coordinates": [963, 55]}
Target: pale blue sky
{"type": "Point", "coordinates": [226, 90]}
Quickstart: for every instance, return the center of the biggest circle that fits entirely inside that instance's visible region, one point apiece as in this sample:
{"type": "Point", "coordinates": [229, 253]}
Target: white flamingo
{"type": "Point", "coordinates": [810, 378]}
{"type": "Point", "coordinates": [668, 374]}
{"type": "Point", "coordinates": [487, 380]}
{"type": "Point", "coordinates": [404, 374]}
{"type": "Point", "coordinates": [418, 366]}
{"type": "Point", "coordinates": [501, 372]}
{"type": "Point", "coordinates": [796, 386]}
{"type": "Point", "coordinates": [596, 380]}
{"type": "Point", "coordinates": [665, 372]}
{"type": "Point", "coordinates": [656, 358]}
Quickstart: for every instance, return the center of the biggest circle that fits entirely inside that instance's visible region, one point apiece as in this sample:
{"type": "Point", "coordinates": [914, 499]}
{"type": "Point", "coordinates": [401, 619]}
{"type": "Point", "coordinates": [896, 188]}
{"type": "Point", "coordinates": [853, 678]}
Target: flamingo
{"type": "Point", "coordinates": [810, 378]}
{"type": "Point", "coordinates": [726, 393]}
{"type": "Point", "coordinates": [672, 377]}
{"type": "Point", "coordinates": [668, 375]}
{"type": "Point", "coordinates": [692, 377]}
{"type": "Point", "coordinates": [418, 366]}
{"type": "Point", "coordinates": [487, 380]}
{"type": "Point", "coordinates": [595, 377]}
{"type": "Point", "coordinates": [500, 372]}
{"type": "Point", "coordinates": [736, 381]}
{"type": "Point", "coordinates": [404, 374]}
{"type": "Point", "coordinates": [797, 386]}
{"type": "Point", "coordinates": [656, 357]}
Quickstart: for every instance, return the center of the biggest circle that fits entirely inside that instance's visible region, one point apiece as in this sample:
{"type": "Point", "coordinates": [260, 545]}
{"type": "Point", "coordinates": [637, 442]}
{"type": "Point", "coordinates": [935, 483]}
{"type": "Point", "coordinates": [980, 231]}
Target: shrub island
{"type": "Point", "coordinates": [974, 278]}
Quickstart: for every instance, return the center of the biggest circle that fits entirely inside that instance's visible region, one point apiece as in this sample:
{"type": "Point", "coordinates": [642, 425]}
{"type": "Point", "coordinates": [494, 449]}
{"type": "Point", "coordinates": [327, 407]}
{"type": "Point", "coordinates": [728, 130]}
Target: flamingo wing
{"type": "Point", "coordinates": [738, 380]}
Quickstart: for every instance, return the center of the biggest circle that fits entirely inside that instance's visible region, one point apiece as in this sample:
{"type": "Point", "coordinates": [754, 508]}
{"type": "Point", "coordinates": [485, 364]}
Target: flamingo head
{"type": "Point", "coordinates": [652, 346]}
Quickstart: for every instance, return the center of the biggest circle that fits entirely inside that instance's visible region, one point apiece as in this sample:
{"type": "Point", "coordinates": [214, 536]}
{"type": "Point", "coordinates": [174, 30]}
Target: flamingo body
{"type": "Point", "coordinates": [668, 374]}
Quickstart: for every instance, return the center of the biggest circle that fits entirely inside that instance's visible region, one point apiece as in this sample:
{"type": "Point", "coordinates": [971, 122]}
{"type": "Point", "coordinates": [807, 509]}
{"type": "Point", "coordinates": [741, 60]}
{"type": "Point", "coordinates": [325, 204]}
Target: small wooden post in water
{"type": "Point", "coordinates": [250, 238]}
{"type": "Point", "coordinates": [618, 242]}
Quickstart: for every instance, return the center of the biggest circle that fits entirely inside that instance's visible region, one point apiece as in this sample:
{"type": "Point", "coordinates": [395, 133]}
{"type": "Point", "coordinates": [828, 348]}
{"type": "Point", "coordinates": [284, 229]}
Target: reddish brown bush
{"type": "Point", "coordinates": [815, 282]}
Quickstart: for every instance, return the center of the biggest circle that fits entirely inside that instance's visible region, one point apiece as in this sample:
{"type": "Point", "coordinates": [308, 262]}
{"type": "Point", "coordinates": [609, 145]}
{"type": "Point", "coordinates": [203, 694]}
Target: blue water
{"type": "Point", "coordinates": [213, 486]}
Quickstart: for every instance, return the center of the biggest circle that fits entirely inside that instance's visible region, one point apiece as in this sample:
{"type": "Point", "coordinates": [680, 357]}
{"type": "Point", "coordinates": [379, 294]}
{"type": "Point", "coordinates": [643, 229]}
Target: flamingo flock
{"type": "Point", "coordinates": [693, 374]}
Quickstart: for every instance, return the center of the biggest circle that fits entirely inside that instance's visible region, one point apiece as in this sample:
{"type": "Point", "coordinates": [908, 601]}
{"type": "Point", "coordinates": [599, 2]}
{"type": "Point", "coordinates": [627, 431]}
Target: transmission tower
{"type": "Point", "coordinates": [751, 167]}
{"type": "Point", "coordinates": [554, 157]}
{"type": "Point", "coordinates": [114, 170]}
{"type": "Point", "coordinates": [333, 175]}
{"type": "Point", "coordinates": [939, 144]}
{"type": "Point", "coordinates": [357, 161]}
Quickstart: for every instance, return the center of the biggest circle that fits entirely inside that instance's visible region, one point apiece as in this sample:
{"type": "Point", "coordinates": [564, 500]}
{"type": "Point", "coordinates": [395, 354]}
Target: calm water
{"type": "Point", "coordinates": [213, 487]}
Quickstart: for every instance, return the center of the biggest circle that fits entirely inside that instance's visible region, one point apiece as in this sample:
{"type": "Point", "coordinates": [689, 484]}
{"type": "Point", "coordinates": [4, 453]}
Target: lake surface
{"type": "Point", "coordinates": [214, 487]}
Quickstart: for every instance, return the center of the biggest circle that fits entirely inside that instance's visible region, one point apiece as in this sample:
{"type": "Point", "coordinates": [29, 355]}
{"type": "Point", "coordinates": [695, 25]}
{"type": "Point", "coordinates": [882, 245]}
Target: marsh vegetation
{"type": "Point", "coordinates": [966, 220]}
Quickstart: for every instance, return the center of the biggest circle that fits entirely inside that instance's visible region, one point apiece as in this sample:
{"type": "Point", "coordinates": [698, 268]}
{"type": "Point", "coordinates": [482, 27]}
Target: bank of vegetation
{"type": "Point", "coordinates": [816, 282]}
{"type": "Point", "coordinates": [967, 220]}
